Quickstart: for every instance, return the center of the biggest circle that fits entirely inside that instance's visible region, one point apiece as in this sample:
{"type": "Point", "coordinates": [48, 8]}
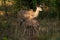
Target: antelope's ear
{"type": "Point", "coordinates": [41, 6]}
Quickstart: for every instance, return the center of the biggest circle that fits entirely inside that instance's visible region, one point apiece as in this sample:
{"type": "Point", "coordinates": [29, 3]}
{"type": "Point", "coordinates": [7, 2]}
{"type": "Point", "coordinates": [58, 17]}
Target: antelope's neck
{"type": "Point", "coordinates": [36, 13]}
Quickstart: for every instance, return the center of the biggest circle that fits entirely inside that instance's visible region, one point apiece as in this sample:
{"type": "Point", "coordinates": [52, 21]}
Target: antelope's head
{"type": "Point", "coordinates": [39, 8]}
{"type": "Point", "coordinates": [42, 7]}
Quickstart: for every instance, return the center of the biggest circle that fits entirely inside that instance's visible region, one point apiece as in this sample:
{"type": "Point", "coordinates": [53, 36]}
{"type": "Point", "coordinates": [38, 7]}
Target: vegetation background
{"type": "Point", "coordinates": [49, 19]}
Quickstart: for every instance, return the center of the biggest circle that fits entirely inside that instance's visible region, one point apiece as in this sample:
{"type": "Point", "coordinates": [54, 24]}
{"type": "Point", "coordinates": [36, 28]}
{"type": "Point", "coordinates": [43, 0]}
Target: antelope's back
{"type": "Point", "coordinates": [20, 14]}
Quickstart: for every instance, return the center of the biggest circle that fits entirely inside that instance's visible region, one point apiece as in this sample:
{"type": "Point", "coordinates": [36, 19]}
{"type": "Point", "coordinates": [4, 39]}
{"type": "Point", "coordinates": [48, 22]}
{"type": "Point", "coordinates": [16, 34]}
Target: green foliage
{"type": "Point", "coordinates": [5, 38]}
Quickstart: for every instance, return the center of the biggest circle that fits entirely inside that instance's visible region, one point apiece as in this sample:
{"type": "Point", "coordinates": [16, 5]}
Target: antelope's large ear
{"type": "Point", "coordinates": [41, 6]}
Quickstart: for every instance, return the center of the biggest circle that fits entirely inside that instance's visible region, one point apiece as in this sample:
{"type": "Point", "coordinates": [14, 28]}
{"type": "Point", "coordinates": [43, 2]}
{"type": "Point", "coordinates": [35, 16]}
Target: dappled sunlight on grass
{"type": "Point", "coordinates": [8, 3]}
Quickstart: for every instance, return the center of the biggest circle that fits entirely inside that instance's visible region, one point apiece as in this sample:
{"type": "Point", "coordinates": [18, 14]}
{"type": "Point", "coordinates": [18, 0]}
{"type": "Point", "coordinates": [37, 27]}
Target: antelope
{"type": "Point", "coordinates": [29, 14]}
{"type": "Point", "coordinates": [24, 18]}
